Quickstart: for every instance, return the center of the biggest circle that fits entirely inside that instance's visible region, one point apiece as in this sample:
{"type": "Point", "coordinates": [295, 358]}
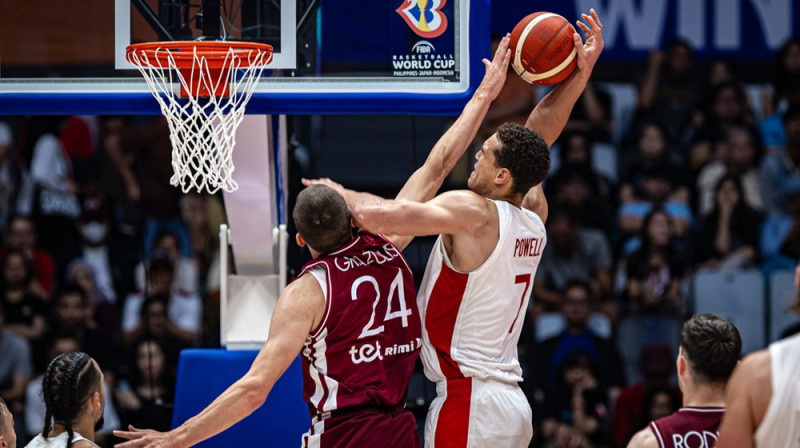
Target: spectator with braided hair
{"type": "Point", "coordinates": [8, 438]}
{"type": "Point", "coordinates": [74, 398]}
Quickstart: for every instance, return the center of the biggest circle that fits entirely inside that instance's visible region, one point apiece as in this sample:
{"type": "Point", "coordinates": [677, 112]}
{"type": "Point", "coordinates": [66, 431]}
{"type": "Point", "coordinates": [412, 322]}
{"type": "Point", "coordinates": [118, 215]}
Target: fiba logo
{"type": "Point", "coordinates": [424, 17]}
{"type": "Point", "coordinates": [423, 47]}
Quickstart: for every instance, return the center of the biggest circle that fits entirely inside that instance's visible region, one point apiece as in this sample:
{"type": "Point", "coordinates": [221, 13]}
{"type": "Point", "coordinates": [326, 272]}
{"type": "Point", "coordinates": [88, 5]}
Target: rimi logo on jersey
{"type": "Point", "coordinates": [527, 247]}
{"type": "Point", "coordinates": [424, 17]}
{"type": "Point", "coordinates": [370, 352]}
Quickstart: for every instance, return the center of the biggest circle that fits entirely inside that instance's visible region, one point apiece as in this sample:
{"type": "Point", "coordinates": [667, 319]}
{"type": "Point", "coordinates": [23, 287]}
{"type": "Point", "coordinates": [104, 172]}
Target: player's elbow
{"type": "Point", "coordinates": [255, 393]}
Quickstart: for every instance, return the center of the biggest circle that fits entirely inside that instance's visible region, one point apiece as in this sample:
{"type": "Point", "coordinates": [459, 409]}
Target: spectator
{"type": "Point", "coordinates": [575, 412]}
{"type": "Point", "coordinates": [656, 365]}
{"type": "Point", "coordinates": [35, 408]}
{"type": "Point", "coordinates": [185, 271]}
{"type": "Point", "coordinates": [15, 371]}
{"type": "Point", "coordinates": [70, 309]}
{"type": "Point", "coordinates": [145, 390]}
{"type": "Point", "coordinates": [183, 308]}
{"type": "Point", "coordinates": [670, 87]}
{"type": "Point", "coordinates": [103, 314]}
{"type": "Point", "coordinates": [102, 249]}
{"type": "Point", "coordinates": [548, 355]}
{"type": "Point", "coordinates": [56, 206]}
{"type": "Point", "coordinates": [728, 107]}
{"type": "Point", "coordinates": [657, 190]}
{"type": "Point", "coordinates": [16, 189]}
{"type": "Point", "coordinates": [785, 93]}
{"type": "Point", "coordinates": [728, 236]}
{"type": "Point", "coordinates": [25, 311]}
{"type": "Point", "coordinates": [572, 253]}
{"type": "Point", "coordinates": [782, 164]}
{"type": "Point", "coordinates": [659, 402]}
{"type": "Point", "coordinates": [780, 234]}
{"type": "Point", "coordinates": [21, 235]}
{"type": "Point", "coordinates": [576, 184]}
{"type": "Point", "coordinates": [154, 323]}
{"type": "Point", "coordinates": [739, 154]}
{"type": "Point", "coordinates": [8, 436]}
{"type": "Point", "coordinates": [655, 271]}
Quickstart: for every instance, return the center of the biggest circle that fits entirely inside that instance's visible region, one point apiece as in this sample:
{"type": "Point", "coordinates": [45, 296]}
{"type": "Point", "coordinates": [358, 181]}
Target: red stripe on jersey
{"type": "Point", "coordinates": [441, 314]}
{"type": "Point", "coordinates": [452, 426]}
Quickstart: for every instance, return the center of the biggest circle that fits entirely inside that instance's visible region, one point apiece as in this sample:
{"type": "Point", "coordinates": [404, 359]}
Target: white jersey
{"type": "Point", "coordinates": [59, 441]}
{"type": "Point", "coordinates": [781, 425]}
{"type": "Point", "coordinates": [472, 320]}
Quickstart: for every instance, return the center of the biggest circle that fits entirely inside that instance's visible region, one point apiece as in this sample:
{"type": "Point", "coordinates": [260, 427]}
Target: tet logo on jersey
{"type": "Point", "coordinates": [424, 17]}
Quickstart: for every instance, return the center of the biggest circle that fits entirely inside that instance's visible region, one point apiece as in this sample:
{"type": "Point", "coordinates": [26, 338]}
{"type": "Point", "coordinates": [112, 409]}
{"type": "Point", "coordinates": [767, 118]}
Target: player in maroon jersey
{"type": "Point", "coordinates": [709, 350]}
{"type": "Point", "coordinates": [351, 312]}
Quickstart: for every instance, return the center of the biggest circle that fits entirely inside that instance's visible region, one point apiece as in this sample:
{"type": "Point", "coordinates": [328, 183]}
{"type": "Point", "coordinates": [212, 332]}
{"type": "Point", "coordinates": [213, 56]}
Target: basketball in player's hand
{"type": "Point", "coordinates": [542, 49]}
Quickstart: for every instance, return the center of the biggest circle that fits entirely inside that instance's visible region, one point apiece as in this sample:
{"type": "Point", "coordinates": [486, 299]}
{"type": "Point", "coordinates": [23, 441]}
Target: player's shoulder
{"type": "Point", "coordinates": [755, 366]}
{"type": "Point", "coordinates": [644, 439]}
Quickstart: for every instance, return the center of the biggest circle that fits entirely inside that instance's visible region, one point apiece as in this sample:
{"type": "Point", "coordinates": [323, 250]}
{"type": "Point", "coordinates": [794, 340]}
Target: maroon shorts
{"type": "Point", "coordinates": [364, 428]}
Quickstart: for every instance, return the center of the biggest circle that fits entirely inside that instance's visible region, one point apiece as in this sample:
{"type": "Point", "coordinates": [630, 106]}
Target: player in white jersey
{"type": "Point", "coordinates": [478, 280]}
{"type": "Point", "coordinates": [764, 396]}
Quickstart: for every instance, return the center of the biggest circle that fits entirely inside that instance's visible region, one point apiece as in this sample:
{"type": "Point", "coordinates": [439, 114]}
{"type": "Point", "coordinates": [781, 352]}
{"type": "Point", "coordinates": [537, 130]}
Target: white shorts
{"type": "Point", "coordinates": [471, 413]}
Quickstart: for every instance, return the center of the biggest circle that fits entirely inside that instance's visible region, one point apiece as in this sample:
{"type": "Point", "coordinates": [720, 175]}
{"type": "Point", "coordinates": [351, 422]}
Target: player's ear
{"type": "Point", "coordinates": [503, 176]}
{"type": "Point", "coordinates": [299, 239]}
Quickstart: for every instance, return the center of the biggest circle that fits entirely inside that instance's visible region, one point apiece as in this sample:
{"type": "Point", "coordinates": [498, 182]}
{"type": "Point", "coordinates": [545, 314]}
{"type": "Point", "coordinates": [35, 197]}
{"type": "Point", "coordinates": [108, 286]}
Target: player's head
{"type": "Point", "coordinates": [322, 218]}
{"type": "Point", "coordinates": [73, 391]}
{"type": "Point", "coordinates": [710, 348]}
{"type": "Point", "coordinates": [514, 157]}
{"type": "Point", "coordinates": [8, 438]}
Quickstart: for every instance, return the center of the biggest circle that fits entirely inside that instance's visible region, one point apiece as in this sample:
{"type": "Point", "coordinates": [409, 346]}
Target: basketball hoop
{"type": "Point", "coordinates": [217, 79]}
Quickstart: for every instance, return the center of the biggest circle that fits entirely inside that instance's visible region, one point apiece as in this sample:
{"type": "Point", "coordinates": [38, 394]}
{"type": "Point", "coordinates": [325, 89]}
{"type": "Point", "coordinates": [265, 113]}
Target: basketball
{"type": "Point", "coordinates": [542, 49]}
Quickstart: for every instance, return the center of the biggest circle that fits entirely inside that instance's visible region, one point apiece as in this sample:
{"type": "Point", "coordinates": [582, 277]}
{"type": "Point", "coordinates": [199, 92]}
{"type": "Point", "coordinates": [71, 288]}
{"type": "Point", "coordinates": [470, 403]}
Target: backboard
{"type": "Point", "coordinates": [332, 56]}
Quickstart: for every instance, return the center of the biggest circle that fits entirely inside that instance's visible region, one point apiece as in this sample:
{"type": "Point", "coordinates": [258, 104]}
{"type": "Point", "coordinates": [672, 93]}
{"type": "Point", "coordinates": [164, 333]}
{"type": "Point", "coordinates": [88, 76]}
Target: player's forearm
{"type": "Point", "coordinates": [236, 403]}
{"type": "Point", "coordinates": [551, 114]}
{"type": "Point", "coordinates": [426, 181]}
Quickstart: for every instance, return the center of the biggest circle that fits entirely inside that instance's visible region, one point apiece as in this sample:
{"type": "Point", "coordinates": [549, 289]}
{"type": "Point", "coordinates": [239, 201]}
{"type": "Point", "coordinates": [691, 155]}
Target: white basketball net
{"type": "Point", "coordinates": [202, 130]}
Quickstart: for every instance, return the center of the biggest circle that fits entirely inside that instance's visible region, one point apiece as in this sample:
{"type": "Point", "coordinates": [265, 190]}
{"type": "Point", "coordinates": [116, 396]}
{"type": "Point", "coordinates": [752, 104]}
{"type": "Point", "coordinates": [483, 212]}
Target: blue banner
{"type": "Point", "coordinates": [745, 30]}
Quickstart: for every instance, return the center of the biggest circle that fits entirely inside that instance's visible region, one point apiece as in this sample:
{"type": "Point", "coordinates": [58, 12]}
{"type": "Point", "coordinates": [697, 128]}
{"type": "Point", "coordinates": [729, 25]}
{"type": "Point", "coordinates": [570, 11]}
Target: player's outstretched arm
{"type": "Point", "coordinates": [550, 116]}
{"type": "Point", "coordinates": [450, 213]}
{"type": "Point", "coordinates": [751, 377]}
{"type": "Point", "coordinates": [426, 181]}
{"type": "Point", "coordinates": [298, 310]}
{"type": "Point", "coordinates": [643, 439]}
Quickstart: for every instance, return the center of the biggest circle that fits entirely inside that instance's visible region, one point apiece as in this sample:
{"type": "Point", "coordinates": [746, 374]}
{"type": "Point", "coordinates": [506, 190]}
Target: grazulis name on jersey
{"type": "Point", "coordinates": [388, 253]}
{"type": "Point", "coordinates": [528, 247]}
{"type": "Point", "coordinates": [369, 352]}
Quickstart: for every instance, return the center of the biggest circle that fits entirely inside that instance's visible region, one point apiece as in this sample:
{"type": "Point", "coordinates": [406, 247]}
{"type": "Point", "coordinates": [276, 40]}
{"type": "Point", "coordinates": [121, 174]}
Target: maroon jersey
{"type": "Point", "coordinates": [364, 350]}
{"type": "Point", "coordinates": [689, 427]}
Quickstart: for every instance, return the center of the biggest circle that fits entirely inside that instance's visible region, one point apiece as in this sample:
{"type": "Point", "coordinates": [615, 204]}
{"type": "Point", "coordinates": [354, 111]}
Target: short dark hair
{"type": "Point", "coordinates": [72, 289]}
{"type": "Point", "coordinates": [322, 218]}
{"type": "Point", "coordinates": [712, 346]}
{"type": "Point", "coordinates": [69, 381]}
{"type": "Point", "coordinates": [524, 153]}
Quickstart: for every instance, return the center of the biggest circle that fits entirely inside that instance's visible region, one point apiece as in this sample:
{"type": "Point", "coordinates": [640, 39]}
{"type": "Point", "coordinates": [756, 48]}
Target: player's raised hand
{"type": "Point", "coordinates": [589, 51]}
{"type": "Point", "coordinates": [143, 438]}
{"type": "Point", "coordinates": [497, 68]}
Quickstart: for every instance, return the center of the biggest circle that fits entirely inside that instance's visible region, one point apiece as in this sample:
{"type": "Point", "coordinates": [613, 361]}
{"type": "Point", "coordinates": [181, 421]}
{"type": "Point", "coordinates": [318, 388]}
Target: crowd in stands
{"type": "Point", "coordinates": [100, 254]}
